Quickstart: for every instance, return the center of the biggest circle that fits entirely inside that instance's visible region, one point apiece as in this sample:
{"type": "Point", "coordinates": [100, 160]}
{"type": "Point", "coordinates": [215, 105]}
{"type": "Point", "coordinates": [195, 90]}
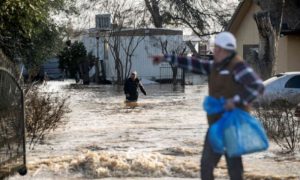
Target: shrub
{"type": "Point", "coordinates": [44, 113]}
{"type": "Point", "coordinates": [280, 123]}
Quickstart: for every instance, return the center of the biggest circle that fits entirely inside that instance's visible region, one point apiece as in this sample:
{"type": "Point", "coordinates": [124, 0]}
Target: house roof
{"type": "Point", "coordinates": [141, 32]}
{"type": "Point", "coordinates": [195, 38]}
{"type": "Point", "coordinates": [238, 16]}
{"type": "Point", "coordinates": [289, 25]}
{"type": "Point", "coordinates": [148, 32]}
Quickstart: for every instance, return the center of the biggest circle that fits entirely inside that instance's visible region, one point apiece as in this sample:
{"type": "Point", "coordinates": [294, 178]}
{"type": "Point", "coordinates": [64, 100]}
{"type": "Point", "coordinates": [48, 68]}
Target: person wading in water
{"type": "Point", "coordinates": [131, 88]}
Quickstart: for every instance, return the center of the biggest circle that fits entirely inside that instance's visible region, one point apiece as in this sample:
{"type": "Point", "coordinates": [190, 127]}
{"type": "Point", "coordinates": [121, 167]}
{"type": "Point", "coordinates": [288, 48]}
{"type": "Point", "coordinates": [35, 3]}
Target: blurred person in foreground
{"type": "Point", "coordinates": [228, 77]}
{"type": "Point", "coordinates": [131, 88]}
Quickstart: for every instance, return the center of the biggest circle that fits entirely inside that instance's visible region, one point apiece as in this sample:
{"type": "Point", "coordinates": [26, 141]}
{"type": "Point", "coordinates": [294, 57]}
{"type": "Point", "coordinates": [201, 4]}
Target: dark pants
{"type": "Point", "coordinates": [210, 160]}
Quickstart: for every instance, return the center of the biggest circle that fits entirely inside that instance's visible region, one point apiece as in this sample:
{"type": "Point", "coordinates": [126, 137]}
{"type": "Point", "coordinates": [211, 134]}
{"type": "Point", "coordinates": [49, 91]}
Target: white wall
{"type": "Point", "coordinates": [141, 60]}
{"type": "Point", "coordinates": [247, 33]}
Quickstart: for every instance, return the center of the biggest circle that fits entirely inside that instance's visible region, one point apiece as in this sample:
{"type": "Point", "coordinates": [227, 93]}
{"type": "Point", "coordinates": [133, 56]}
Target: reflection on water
{"type": "Point", "coordinates": [160, 136]}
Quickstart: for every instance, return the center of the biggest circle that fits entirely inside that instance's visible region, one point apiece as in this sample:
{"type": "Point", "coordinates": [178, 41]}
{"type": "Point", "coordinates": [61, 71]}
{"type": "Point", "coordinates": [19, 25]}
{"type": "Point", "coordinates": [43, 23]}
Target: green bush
{"type": "Point", "coordinates": [71, 56]}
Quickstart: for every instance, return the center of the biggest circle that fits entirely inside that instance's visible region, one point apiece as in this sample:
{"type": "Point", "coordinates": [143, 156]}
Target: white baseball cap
{"type": "Point", "coordinates": [134, 72]}
{"type": "Point", "coordinates": [226, 40]}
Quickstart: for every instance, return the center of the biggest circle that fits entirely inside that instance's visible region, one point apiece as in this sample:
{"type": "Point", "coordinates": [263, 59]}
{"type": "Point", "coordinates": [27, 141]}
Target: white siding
{"type": "Point", "coordinates": [141, 59]}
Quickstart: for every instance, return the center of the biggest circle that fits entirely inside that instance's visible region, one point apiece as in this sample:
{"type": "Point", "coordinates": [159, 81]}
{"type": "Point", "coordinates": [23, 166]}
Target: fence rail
{"type": "Point", "coordinates": [166, 75]}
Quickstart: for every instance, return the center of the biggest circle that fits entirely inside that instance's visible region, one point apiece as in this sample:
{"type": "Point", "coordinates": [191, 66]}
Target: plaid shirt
{"type": "Point", "coordinates": [242, 73]}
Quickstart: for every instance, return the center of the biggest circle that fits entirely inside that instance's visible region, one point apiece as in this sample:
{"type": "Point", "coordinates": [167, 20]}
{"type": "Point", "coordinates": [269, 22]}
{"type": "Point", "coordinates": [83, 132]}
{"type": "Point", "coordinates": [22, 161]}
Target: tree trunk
{"type": "Point", "coordinates": [268, 45]}
{"type": "Point", "coordinates": [119, 69]}
{"type": "Point", "coordinates": [192, 47]}
{"type": "Point", "coordinates": [174, 73]}
{"type": "Point", "coordinates": [153, 8]}
{"type": "Point", "coordinates": [268, 22]}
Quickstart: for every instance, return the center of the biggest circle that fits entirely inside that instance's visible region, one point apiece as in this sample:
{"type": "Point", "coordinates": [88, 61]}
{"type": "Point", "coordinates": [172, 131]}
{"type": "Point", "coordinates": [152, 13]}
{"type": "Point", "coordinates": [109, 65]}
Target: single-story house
{"type": "Point", "coordinates": [244, 27]}
{"type": "Point", "coordinates": [147, 41]}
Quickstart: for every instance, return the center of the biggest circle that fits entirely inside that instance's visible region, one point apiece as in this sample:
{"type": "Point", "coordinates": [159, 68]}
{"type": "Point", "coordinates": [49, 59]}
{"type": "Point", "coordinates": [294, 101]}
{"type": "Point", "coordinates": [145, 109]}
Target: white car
{"type": "Point", "coordinates": [282, 86]}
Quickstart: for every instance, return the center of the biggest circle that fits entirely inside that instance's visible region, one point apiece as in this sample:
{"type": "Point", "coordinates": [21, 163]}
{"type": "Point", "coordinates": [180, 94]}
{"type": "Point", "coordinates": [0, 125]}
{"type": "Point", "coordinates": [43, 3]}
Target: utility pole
{"type": "Point", "coordinates": [102, 65]}
{"type": "Point", "coordinates": [69, 58]}
{"type": "Point", "coordinates": [103, 24]}
{"type": "Point", "coordinates": [97, 59]}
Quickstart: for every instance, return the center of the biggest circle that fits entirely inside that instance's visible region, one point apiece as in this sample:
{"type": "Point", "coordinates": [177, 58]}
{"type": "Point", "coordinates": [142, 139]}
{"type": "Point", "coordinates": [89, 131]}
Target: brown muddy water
{"type": "Point", "coordinates": [160, 138]}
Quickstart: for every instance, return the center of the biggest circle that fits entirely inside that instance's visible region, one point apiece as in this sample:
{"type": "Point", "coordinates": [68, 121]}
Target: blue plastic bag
{"type": "Point", "coordinates": [243, 134]}
{"type": "Point", "coordinates": [236, 133]}
{"type": "Point", "coordinates": [213, 105]}
{"type": "Point", "coordinates": [216, 134]}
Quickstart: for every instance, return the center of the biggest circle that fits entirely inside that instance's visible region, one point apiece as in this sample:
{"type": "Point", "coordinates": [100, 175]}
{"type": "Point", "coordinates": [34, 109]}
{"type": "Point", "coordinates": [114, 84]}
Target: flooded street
{"type": "Point", "coordinates": [161, 137]}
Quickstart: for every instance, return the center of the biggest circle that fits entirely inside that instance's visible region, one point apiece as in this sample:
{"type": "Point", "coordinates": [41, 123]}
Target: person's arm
{"type": "Point", "coordinates": [126, 91]}
{"type": "Point", "coordinates": [192, 64]}
{"type": "Point", "coordinates": [253, 85]}
{"type": "Point", "coordinates": [142, 88]}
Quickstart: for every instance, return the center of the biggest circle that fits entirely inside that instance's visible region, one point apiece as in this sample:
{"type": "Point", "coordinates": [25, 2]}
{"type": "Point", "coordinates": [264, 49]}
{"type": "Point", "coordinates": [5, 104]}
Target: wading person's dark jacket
{"type": "Point", "coordinates": [131, 89]}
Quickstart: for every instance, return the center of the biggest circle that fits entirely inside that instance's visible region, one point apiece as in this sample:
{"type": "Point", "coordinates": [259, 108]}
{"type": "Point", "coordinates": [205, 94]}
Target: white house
{"type": "Point", "coordinates": [148, 42]}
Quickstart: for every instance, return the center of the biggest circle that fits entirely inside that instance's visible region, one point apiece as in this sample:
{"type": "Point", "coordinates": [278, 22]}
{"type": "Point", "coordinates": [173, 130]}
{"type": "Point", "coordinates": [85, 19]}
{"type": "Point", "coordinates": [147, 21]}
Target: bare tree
{"type": "Point", "coordinates": [169, 47]}
{"type": "Point", "coordinates": [122, 49]}
{"type": "Point", "coordinates": [129, 49]}
{"type": "Point", "coordinates": [114, 43]}
{"type": "Point", "coordinates": [44, 113]}
{"type": "Point", "coordinates": [122, 39]}
{"type": "Point", "coordinates": [157, 16]}
{"type": "Point", "coordinates": [204, 17]}
{"type": "Point", "coordinates": [268, 21]}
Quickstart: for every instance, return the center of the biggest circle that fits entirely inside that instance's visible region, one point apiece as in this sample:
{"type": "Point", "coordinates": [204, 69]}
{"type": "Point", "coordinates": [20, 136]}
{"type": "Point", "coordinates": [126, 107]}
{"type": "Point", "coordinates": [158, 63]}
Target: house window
{"type": "Point", "coordinates": [202, 49]}
{"type": "Point", "coordinates": [248, 50]}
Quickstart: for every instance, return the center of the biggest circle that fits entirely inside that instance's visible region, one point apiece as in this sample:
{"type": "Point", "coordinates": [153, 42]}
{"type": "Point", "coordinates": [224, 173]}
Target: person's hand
{"type": "Point", "coordinates": [229, 104]}
{"type": "Point", "coordinates": [157, 59]}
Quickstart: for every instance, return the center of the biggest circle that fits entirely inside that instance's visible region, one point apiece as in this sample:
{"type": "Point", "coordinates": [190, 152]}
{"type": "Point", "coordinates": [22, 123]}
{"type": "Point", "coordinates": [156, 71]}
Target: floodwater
{"type": "Point", "coordinates": [161, 137]}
